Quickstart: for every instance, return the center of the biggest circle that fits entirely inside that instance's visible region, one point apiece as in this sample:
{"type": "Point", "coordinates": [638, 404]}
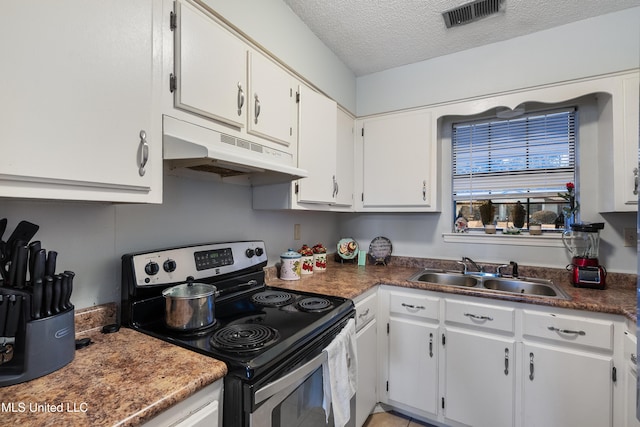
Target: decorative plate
{"type": "Point", "coordinates": [347, 248]}
{"type": "Point", "coordinates": [380, 250]}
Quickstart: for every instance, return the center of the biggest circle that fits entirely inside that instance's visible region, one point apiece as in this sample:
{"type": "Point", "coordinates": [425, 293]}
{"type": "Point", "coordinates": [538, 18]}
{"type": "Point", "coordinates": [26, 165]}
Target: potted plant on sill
{"type": "Point", "coordinates": [487, 213]}
{"type": "Point", "coordinates": [518, 213]}
{"type": "Point", "coordinates": [535, 228]}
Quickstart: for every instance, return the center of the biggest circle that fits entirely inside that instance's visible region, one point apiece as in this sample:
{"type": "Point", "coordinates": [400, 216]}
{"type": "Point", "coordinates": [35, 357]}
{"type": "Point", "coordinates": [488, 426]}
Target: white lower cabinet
{"type": "Point", "coordinates": [204, 408]}
{"type": "Point", "coordinates": [566, 387]}
{"type": "Point", "coordinates": [465, 361]}
{"type": "Point", "coordinates": [479, 364]}
{"type": "Point", "coordinates": [630, 362]}
{"type": "Point", "coordinates": [367, 349]}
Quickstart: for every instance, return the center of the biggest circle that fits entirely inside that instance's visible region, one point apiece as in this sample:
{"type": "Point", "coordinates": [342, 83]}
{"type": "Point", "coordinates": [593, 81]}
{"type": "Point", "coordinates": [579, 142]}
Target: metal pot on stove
{"type": "Point", "coordinates": [189, 306]}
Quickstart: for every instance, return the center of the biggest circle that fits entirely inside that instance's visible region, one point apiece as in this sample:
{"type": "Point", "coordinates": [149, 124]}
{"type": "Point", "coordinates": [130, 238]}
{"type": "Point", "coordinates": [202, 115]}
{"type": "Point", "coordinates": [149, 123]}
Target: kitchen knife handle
{"type": "Point", "coordinates": [48, 296]}
{"type": "Point", "coordinates": [34, 247]}
{"type": "Point", "coordinates": [21, 266]}
{"type": "Point", "coordinates": [69, 288]}
{"type": "Point", "coordinates": [36, 298]}
{"type": "Point", "coordinates": [50, 269]}
{"type": "Point", "coordinates": [57, 293]}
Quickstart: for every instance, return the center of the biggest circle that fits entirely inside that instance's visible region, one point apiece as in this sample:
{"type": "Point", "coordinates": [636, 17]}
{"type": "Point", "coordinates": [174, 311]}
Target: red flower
{"type": "Point", "coordinates": [570, 187]}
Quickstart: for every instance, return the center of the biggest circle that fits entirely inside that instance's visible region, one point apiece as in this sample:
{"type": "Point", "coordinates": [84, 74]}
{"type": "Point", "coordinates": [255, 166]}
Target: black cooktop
{"type": "Point", "coordinates": [254, 331]}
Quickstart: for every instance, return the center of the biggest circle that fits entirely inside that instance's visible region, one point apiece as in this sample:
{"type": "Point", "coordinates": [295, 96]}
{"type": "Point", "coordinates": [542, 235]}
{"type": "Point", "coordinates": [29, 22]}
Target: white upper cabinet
{"type": "Point", "coordinates": [618, 148]}
{"type": "Point", "coordinates": [399, 155]}
{"type": "Point", "coordinates": [271, 101]}
{"type": "Point", "coordinates": [80, 116]}
{"type": "Point", "coordinates": [345, 173]}
{"type": "Point", "coordinates": [210, 67]}
{"type": "Point", "coordinates": [317, 147]}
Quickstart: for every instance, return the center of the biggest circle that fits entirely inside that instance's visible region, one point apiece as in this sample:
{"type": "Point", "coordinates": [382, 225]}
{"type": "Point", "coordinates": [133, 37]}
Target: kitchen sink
{"type": "Point", "coordinates": [451, 279]}
{"type": "Point", "coordinates": [492, 283]}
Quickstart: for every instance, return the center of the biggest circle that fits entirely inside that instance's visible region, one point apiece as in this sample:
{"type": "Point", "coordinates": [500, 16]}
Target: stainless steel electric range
{"type": "Point", "coordinates": [271, 339]}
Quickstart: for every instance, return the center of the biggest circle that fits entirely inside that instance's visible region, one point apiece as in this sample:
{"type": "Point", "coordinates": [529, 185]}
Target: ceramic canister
{"type": "Point", "coordinates": [290, 264]}
{"type": "Point", "coordinates": [320, 262]}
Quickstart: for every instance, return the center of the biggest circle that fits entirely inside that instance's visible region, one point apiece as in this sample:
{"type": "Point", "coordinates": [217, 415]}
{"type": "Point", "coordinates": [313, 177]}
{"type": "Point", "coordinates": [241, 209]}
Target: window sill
{"type": "Point", "coordinates": [543, 240]}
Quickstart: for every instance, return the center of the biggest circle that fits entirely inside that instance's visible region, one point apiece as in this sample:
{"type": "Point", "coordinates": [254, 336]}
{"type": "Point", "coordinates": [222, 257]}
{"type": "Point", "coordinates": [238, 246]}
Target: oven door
{"type": "Point", "coordinates": [296, 399]}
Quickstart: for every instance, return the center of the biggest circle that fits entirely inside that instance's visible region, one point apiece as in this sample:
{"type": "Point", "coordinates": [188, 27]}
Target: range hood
{"type": "Point", "coordinates": [187, 145]}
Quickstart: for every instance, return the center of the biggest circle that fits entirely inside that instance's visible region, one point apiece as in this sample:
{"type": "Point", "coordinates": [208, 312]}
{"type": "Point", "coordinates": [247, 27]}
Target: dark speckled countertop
{"type": "Point", "coordinates": [350, 280]}
{"type": "Point", "coordinates": [123, 378]}
{"type": "Point", "coordinates": [126, 378]}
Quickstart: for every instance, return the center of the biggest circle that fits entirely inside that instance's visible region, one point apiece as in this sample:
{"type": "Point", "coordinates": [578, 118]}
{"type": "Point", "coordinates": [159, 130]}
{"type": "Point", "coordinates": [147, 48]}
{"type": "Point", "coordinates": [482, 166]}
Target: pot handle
{"type": "Point", "coordinates": [249, 284]}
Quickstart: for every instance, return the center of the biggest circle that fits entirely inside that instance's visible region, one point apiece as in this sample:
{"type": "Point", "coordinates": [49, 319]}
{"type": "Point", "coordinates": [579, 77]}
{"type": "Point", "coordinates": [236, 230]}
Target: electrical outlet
{"type": "Point", "coordinates": [296, 231]}
{"type": "Point", "coordinates": [630, 236]}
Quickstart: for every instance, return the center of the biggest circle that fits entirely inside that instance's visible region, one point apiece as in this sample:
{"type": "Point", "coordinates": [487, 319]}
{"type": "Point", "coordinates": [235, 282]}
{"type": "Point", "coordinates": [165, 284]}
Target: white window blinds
{"type": "Point", "coordinates": [529, 156]}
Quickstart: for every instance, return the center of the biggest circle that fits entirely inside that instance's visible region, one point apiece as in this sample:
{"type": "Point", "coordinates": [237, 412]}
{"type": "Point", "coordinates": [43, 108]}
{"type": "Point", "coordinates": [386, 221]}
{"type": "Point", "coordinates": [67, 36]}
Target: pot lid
{"type": "Point", "coordinates": [189, 290]}
{"type": "Point", "coordinates": [291, 254]}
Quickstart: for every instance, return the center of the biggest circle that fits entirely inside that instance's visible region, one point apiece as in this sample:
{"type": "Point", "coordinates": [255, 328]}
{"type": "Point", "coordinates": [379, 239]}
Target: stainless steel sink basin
{"type": "Point", "coordinates": [451, 279]}
{"type": "Point", "coordinates": [491, 283]}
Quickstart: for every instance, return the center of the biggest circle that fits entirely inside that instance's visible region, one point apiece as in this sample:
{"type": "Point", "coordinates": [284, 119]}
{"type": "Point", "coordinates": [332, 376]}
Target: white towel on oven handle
{"type": "Point", "coordinates": [340, 374]}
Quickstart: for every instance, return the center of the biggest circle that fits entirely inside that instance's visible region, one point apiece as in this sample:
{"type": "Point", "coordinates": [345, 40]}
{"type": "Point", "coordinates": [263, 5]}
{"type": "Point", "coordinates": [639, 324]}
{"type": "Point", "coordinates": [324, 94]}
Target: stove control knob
{"type": "Point", "coordinates": [259, 251]}
{"type": "Point", "coordinates": [249, 253]}
{"type": "Point", "coordinates": [169, 266]}
{"type": "Point", "coordinates": [152, 268]}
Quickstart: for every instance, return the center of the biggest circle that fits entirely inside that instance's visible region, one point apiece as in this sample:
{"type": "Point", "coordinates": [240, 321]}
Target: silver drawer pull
{"type": "Point", "coordinates": [361, 315]}
{"type": "Point", "coordinates": [634, 358]}
{"type": "Point", "coordinates": [567, 331]}
{"type": "Point", "coordinates": [418, 307]}
{"type": "Point", "coordinates": [475, 316]}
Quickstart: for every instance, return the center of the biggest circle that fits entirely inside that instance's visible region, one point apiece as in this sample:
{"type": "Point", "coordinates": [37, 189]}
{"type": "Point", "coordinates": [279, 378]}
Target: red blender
{"type": "Point", "coordinates": [583, 242]}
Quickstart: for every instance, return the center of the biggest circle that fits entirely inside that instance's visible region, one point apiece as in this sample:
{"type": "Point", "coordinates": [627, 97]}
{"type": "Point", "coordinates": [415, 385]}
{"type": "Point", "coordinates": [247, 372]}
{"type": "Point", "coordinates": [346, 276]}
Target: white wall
{"type": "Point", "coordinates": [91, 237]}
{"type": "Point", "coordinates": [594, 46]}
{"type": "Point", "coordinates": [274, 25]}
{"type": "Point", "coordinates": [586, 48]}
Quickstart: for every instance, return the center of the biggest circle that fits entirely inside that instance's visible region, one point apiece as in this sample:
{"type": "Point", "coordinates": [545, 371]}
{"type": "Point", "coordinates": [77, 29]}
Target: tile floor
{"type": "Point", "coordinates": [392, 419]}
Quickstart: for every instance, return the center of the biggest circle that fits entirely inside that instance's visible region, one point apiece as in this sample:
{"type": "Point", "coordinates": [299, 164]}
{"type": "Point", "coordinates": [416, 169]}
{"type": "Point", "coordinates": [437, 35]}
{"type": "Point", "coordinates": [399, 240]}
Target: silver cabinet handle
{"type": "Point", "coordinates": [635, 181]}
{"type": "Point", "coordinates": [566, 331]}
{"type": "Point", "coordinates": [418, 307]}
{"type": "Point", "coordinates": [531, 366]}
{"type": "Point", "coordinates": [240, 98]}
{"type": "Point", "coordinates": [335, 187]}
{"type": "Point", "coordinates": [506, 361]}
{"type": "Point", "coordinates": [475, 316]}
{"type": "Point", "coordinates": [431, 345]}
{"type": "Point", "coordinates": [363, 314]}
{"type": "Point", "coordinates": [145, 152]}
{"type": "Point", "coordinates": [424, 191]}
{"type": "Point", "coordinates": [634, 358]}
{"type": "Point", "coordinates": [257, 108]}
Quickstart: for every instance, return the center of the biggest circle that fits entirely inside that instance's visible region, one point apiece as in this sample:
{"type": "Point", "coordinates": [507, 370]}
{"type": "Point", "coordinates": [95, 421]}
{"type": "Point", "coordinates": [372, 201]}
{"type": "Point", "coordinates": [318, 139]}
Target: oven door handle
{"type": "Point", "coordinates": [296, 377]}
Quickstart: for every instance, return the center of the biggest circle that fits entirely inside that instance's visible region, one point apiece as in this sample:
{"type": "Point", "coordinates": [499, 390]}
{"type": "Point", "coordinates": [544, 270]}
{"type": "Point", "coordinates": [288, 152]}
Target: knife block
{"type": "Point", "coordinates": [41, 346]}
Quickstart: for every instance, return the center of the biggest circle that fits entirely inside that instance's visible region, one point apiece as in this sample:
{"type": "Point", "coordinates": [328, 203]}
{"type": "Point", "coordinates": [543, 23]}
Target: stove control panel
{"type": "Point", "coordinates": [169, 266]}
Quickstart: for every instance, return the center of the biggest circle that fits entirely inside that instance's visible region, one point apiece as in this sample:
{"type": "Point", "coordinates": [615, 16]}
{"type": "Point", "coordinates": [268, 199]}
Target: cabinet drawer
{"type": "Point", "coordinates": [480, 315]}
{"type": "Point", "coordinates": [415, 305]}
{"type": "Point", "coordinates": [568, 329]}
{"type": "Point", "coordinates": [366, 310]}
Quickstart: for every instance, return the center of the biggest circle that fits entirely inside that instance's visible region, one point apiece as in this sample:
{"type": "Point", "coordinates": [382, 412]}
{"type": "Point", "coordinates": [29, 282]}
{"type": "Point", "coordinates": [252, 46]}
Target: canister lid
{"type": "Point", "coordinates": [588, 227]}
{"type": "Point", "coordinates": [291, 254]}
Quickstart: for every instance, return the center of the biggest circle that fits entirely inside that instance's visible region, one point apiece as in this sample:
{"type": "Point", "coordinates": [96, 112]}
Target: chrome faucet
{"type": "Point", "coordinates": [514, 269]}
{"type": "Point", "coordinates": [466, 260]}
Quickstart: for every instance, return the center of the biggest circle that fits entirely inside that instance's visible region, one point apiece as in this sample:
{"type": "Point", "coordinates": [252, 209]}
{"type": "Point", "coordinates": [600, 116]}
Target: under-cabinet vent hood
{"type": "Point", "coordinates": [187, 145]}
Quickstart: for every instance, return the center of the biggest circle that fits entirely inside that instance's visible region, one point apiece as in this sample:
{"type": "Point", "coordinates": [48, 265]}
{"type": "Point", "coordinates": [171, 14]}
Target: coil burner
{"type": "Point", "coordinates": [314, 304]}
{"type": "Point", "coordinates": [272, 298]}
{"type": "Point", "coordinates": [244, 337]}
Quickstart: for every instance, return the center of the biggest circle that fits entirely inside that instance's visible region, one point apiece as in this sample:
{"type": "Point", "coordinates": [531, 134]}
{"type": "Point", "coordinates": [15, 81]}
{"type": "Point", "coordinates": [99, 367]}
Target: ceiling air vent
{"type": "Point", "coordinates": [472, 11]}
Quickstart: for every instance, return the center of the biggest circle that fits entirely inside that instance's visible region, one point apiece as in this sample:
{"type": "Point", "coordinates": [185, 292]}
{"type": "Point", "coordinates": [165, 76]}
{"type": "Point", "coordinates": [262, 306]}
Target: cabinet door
{"type": "Point", "coordinates": [398, 161]}
{"type": "Point", "coordinates": [480, 381]}
{"type": "Point", "coordinates": [366, 397]}
{"type": "Point", "coordinates": [272, 101]}
{"type": "Point", "coordinates": [345, 160]}
{"type": "Point", "coordinates": [566, 387]}
{"type": "Point", "coordinates": [210, 66]}
{"type": "Point", "coordinates": [317, 133]}
{"type": "Point", "coordinates": [413, 364]}
{"type": "Point", "coordinates": [78, 88]}
{"type": "Point", "coordinates": [631, 133]}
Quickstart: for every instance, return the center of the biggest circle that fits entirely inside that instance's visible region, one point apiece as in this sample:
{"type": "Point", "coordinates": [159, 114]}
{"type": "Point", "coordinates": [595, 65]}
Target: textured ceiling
{"type": "Point", "coordinates": [375, 35]}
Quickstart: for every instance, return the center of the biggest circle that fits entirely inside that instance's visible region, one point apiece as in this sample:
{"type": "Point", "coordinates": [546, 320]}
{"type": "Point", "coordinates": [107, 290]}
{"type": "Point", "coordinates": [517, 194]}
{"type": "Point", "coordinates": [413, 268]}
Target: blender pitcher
{"type": "Point", "coordinates": [583, 243]}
